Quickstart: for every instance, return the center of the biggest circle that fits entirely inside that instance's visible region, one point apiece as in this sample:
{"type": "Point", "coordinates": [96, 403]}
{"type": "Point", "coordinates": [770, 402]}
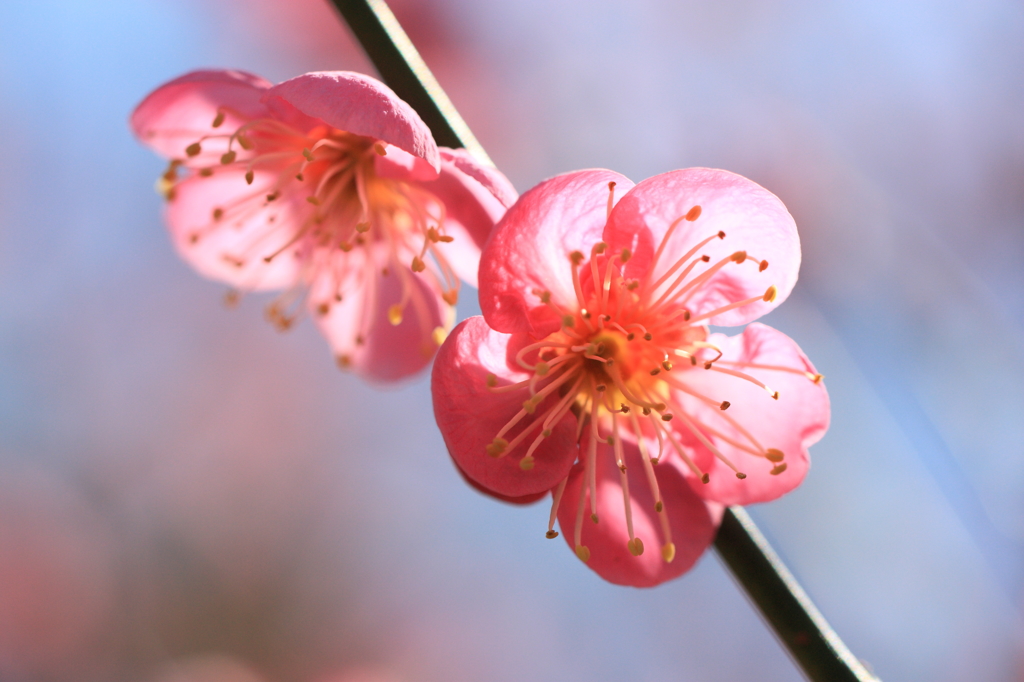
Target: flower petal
{"type": "Point", "coordinates": [523, 500]}
{"type": "Point", "coordinates": [529, 250]}
{"type": "Point", "coordinates": [791, 424]}
{"type": "Point", "coordinates": [358, 104]}
{"type": "Point", "coordinates": [475, 199]}
{"type": "Point", "coordinates": [359, 328]}
{"type": "Point", "coordinates": [693, 521]}
{"type": "Point", "coordinates": [182, 111]}
{"type": "Point", "coordinates": [224, 228]}
{"type": "Point", "coordinates": [470, 415]}
{"type": "Point", "coordinates": [752, 218]}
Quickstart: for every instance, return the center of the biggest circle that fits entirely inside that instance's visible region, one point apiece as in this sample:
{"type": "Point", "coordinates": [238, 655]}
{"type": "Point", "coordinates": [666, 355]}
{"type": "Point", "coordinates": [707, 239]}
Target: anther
{"type": "Point", "coordinates": [708, 364]}
{"type": "Point", "coordinates": [218, 213]}
{"type": "Point", "coordinates": [545, 297]}
{"type": "Point", "coordinates": [249, 175]}
{"type": "Point", "coordinates": [630, 336]}
{"type": "Point", "coordinates": [545, 433]}
{"type": "Point", "coordinates": [228, 157]}
{"type": "Point", "coordinates": [705, 478]}
{"type": "Point", "coordinates": [600, 388]}
{"type": "Point", "coordinates": [763, 266]}
{"type": "Point", "coordinates": [706, 258]}
{"type": "Point", "coordinates": [344, 361]}
{"type": "Point", "coordinates": [667, 417]}
{"type": "Point", "coordinates": [308, 154]}
{"type": "Point", "coordinates": [636, 547]}
{"type": "Point", "coordinates": [625, 255]}
{"type": "Point", "coordinates": [655, 372]}
{"type": "Point", "coordinates": [693, 213]}
{"type": "Point", "coordinates": [313, 200]}
{"type": "Point", "coordinates": [273, 195]}
{"type": "Point", "coordinates": [774, 455]}
{"type": "Point", "coordinates": [583, 553]}
{"type": "Point", "coordinates": [775, 396]}
{"type": "Point", "coordinates": [667, 366]}
{"type": "Point", "coordinates": [395, 314]}
{"type": "Point", "coordinates": [686, 316]}
{"type": "Point", "coordinates": [300, 177]}
{"type": "Point", "coordinates": [593, 517]}
{"type": "Point", "coordinates": [658, 506]}
{"type": "Point", "coordinates": [362, 227]}
{"type": "Point", "coordinates": [633, 285]}
{"type": "Point", "coordinates": [492, 380]}
{"type": "Point", "coordinates": [610, 440]}
{"type": "Point", "coordinates": [439, 335]}
{"type": "Point", "coordinates": [418, 265]}
{"type": "Point", "coordinates": [623, 408]}
{"type": "Point", "coordinates": [740, 475]}
{"type": "Point", "coordinates": [205, 172]}
{"type": "Point", "coordinates": [244, 142]}
{"type": "Point", "coordinates": [769, 296]}
{"type": "Point", "coordinates": [542, 368]}
{"type": "Point", "coordinates": [323, 309]}
{"type": "Point", "coordinates": [817, 378]}
{"type": "Point", "coordinates": [778, 469]}
{"type": "Point", "coordinates": [568, 321]}
{"type": "Point", "coordinates": [497, 447]}
{"type": "Point", "coordinates": [668, 552]}
{"type": "Point", "coordinates": [193, 149]}
{"type": "Point", "coordinates": [646, 411]}
{"type": "Point", "coordinates": [551, 534]}
{"type": "Point", "coordinates": [725, 405]}
{"type": "Point", "coordinates": [218, 119]}
{"type": "Point", "coordinates": [451, 297]}
{"type": "Point", "coordinates": [576, 257]}
{"type": "Point", "coordinates": [231, 298]}
{"type": "Point", "coordinates": [345, 246]}
{"type": "Point", "coordinates": [379, 148]}
{"type": "Point", "coordinates": [738, 257]}
{"type": "Point", "coordinates": [600, 247]}
{"type": "Point", "coordinates": [526, 463]}
{"type": "Point", "coordinates": [648, 336]}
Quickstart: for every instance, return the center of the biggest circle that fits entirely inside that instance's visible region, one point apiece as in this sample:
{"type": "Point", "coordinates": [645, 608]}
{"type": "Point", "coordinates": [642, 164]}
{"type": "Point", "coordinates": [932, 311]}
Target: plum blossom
{"type": "Point", "coordinates": [330, 188]}
{"type": "Point", "coordinates": [593, 373]}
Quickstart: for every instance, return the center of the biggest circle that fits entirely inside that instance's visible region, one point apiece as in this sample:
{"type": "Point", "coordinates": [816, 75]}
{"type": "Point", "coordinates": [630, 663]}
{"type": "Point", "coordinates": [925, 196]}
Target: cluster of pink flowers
{"type": "Point", "coordinates": [592, 374]}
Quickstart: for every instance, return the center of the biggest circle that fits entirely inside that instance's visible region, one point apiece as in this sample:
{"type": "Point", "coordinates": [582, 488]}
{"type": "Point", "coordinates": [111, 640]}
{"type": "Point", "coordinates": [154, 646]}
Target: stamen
{"type": "Point", "coordinates": [556, 500]}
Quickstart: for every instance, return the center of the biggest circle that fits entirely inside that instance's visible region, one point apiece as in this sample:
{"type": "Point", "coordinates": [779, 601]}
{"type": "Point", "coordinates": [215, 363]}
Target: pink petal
{"type": "Point", "coordinates": [385, 352]}
{"type": "Point", "coordinates": [753, 219]}
{"type": "Point", "coordinates": [249, 229]}
{"type": "Point", "coordinates": [398, 164]}
{"type": "Point", "coordinates": [693, 521]}
{"type": "Point", "coordinates": [529, 250]}
{"type": "Point", "coordinates": [475, 198]}
{"type": "Point", "coordinates": [524, 500]}
{"type": "Point", "coordinates": [357, 104]}
{"type": "Point", "coordinates": [798, 419]}
{"type": "Point", "coordinates": [470, 416]}
{"type": "Point", "coordinates": [182, 111]}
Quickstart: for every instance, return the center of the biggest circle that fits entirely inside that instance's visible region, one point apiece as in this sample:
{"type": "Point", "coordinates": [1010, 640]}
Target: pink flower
{"type": "Point", "coordinates": [331, 188]}
{"type": "Point", "coordinates": [593, 373]}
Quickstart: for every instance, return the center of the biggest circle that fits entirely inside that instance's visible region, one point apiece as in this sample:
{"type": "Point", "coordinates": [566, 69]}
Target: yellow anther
{"type": "Point", "coordinates": [497, 447]}
{"type": "Point", "coordinates": [551, 534]}
{"type": "Point", "coordinates": [738, 257]}
{"type": "Point", "coordinates": [576, 257]}
{"type": "Point", "coordinates": [778, 469]}
{"type": "Point", "coordinates": [625, 255]}
{"type": "Point", "coordinates": [636, 547]}
{"type": "Point", "coordinates": [530, 405]}
{"type": "Point", "coordinates": [725, 405]}
{"type": "Point", "coordinates": [205, 172]}
{"type": "Point", "coordinates": [705, 478]}
{"type": "Point", "coordinates": [248, 177]}
{"type": "Point", "coordinates": [379, 148]}
{"type": "Point", "coordinates": [542, 368]}
{"type": "Point", "coordinates": [451, 297]}
{"type": "Point", "coordinates": [633, 285]}
{"type": "Point", "coordinates": [395, 314]}
{"type": "Point", "coordinates": [362, 227]}
{"type": "Point", "coordinates": [740, 475]}
{"type": "Point", "coordinates": [583, 553]}
{"type": "Point", "coordinates": [244, 142]}
{"type": "Point", "coordinates": [693, 213]}
{"type": "Point", "coordinates": [418, 265]}
{"type": "Point", "coordinates": [769, 295]}
{"type": "Point", "coordinates": [344, 361]}
{"type": "Point", "coordinates": [439, 335]}
{"type": "Point", "coordinates": [775, 396]}
{"type": "Point", "coordinates": [193, 149]}
{"type": "Point", "coordinates": [492, 380]}
{"type": "Point", "coordinates": [611, 441]}
{"type": "Point", "coordinates": [774, 455]}
{"type": "Point", "coordinates": [345, 246]}
{"type": "Point", "coordinates": [313, 200]}
{"type": "Point", "coordinates": [218, 213]}
{"type": "Point", "coordinates": [432, 234]}
{"type": "Point", "coordinates": [817, 378]}
{"type": "Point", "coordinates": [308, 154]}
{"type": "Point", "coordinates": [600, 247]}
{"type": "Point", "coordinates": [526, 463]}
{"type": "Point", "coordinates": [668, 552]}
{"type": "Point", "coordinates": [545, 297]}
{"type": "Point", "coordinates": [228, 157]}
{"type": "Point", "coordinates": [445, 239]}
{"type": "Point", "coordinates": [218, 119]}
{"type": "Point", "coordinates": [545, 433]}
{"type": "Point", "coordinates": [323, 309]}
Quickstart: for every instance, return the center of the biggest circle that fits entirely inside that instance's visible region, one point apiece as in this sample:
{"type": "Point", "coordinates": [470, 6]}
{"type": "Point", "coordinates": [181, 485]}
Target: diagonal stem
{"type": "Point", "coordinates": [810, 640]}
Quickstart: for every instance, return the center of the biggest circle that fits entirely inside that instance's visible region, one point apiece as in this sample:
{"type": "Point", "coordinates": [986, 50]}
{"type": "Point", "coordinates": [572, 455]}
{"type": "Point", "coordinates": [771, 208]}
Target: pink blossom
{"type": "Point", "coordinates": [329, 187]}
{"type": "Point", "coordinates": [593, 372]}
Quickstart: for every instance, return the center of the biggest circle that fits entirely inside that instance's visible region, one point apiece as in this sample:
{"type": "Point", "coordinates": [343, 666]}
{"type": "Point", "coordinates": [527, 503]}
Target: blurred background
{"type": "Point", "coordinates": [187, 495]}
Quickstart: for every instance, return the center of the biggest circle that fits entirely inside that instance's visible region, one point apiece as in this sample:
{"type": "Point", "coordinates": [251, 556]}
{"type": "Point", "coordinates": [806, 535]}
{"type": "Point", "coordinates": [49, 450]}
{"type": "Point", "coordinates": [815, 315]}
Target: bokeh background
{"type": "Point", "coordinates": [187, 495]}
